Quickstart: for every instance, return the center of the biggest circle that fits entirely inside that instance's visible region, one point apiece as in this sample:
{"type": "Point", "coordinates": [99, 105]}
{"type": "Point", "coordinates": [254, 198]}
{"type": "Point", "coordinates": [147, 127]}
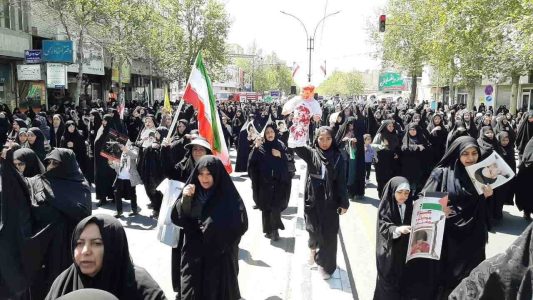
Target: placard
{"type": "Point", "coordinates": [492, 171]}
{"type": "Point", "coordinates": [427, 227]}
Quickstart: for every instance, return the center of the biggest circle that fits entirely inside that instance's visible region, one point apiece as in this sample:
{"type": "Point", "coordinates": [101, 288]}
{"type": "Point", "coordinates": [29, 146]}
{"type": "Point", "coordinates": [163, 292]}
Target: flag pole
{"type": "Point", "coordinates": [175, 120]}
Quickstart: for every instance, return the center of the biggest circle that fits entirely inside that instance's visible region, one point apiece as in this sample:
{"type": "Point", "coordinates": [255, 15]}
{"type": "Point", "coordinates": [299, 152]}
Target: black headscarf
{"type": "Point", "coordinates": [326, 156]}
{"type": "Point", "coordinates": [118, 274]}
{"type": "Point", "coordinates": [273, 166]}
{"type": "Point", "coordinates": [33, 163]}
{"type": "Point", "coordinates": [391, 137]}
{"type": "Point", "coordinates": [38, 145]}
{"type": "Point", "coordinates": [223, 212]}
{"type": "Point", "coordinates": [524, 132]}
{"type": "Point", "coordinates": [486, 145]}
{"type": "Point", "coordinates": [68, 168]}
{"type": "Point", "coordinates": [527, 157]}
{"type": "Point", "coordinates": [418, 139]}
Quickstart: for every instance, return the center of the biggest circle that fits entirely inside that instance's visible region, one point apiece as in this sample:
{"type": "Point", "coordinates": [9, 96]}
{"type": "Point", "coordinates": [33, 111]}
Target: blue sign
{"type": "Point", "coordinates": [275, 94]}
{"type": "Point", "coordinates": [58, 51]}
{"type": "Point", "coordinates": [33, 56]}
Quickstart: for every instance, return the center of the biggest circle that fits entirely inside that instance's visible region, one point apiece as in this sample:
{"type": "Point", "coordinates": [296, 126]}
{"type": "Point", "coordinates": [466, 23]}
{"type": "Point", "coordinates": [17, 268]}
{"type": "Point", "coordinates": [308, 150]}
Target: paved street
{"type": "Point", "coordinates": [279, 270]}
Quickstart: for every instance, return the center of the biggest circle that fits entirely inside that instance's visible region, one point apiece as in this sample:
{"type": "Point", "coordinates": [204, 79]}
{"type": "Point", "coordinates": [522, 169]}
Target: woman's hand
{"type": "Point", "coordinates": [276, 153]}
{"type": "Point", "coordinates": [259, 142]}
{"type": "Point", "coordinates": [70, 144]}
{"type": "Point", "coordinates": [487, 191]}
{"type": "Point", "coordinates": [189, 190]}
{"type": "Point", "coordinates": [406, 229]}
{"type": "Point", "coordinates": [341, 210]}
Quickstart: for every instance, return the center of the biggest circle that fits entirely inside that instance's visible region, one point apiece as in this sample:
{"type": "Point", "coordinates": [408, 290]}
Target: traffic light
{"type": "Point", "coordinates": [382, 21]}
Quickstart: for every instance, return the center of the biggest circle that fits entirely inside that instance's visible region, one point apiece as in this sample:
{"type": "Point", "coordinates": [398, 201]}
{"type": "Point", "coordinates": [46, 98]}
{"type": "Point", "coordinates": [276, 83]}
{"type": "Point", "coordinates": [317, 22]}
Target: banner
{"type": "Point", "coordinates": [58, 51]}
{"type": "Point", "coordinates": [167, 232]}
{"type": "Point", "coordinates": [111, 149]}
{"type": "Point", "coordinates": [391, 82]}
{"type": "Point", "coordinates": [427, 227]}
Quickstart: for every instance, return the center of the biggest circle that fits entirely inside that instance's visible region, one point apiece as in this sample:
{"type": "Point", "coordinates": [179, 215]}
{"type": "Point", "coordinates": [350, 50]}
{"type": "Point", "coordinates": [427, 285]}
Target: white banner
{"type": "Point", "coordinates": [29, 72]}
{"type": "Point", "coordinates": [93, 61]}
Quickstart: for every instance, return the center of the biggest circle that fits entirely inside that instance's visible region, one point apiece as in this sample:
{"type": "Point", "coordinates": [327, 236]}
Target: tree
{"type": "Point", "coordinates": [77, 17]}
{"type": "Point", "coordinates": [342, 83]}
{"type": "Point", "coordinates": [205, 26]}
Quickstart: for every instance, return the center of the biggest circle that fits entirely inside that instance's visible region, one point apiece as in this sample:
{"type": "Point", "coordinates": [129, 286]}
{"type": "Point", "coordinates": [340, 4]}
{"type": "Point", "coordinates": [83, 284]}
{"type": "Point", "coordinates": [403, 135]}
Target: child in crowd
{"type": "Point", "coordinates": [127, 178]}
{"type": "Point", "coordinates": [370, 156]}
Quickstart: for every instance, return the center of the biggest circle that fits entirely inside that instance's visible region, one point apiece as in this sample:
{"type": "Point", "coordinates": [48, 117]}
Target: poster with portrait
{"type": "Point", "coordinates": [252, 131]}
{"type": "Point", "coordinates": [111, 149]}
{"type": "Point", "coordinates": [167, 232]}
{"type": "Point", "coordinates": [492, 171]}
{"type": "Point", "coordinates": [281, 125]}
{"type": "Point", "coordinates": [427, 226]}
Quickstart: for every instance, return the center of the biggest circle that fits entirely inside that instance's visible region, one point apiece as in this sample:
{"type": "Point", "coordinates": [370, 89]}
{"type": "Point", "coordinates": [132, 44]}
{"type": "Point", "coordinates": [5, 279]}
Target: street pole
{"type": "Point", "coordinates": [310, 39]}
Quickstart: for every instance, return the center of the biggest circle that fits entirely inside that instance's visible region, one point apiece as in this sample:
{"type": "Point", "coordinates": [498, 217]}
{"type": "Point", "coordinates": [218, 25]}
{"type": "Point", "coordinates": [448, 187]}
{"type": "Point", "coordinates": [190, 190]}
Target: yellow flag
{"type": "Point", "coordinates": [167, 105]}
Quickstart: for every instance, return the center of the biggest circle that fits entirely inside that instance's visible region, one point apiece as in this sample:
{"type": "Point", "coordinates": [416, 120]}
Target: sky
{"type": "Point", "coordinates": [342, 41]}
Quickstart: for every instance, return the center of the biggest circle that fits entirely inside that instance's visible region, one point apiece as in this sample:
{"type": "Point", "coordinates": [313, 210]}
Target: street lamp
{"type": "Point", "coordinates": [310, 39]}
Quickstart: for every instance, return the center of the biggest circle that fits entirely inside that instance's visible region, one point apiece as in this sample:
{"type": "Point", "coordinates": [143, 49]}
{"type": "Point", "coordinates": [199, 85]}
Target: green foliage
{"type": "Point", "coordinates": [342, 83]}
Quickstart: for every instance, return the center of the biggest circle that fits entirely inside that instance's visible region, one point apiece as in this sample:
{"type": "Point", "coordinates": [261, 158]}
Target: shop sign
{"type": "Point", "coordinates": [29, 72]}
{"type": "Point", "coordinates": [58, 51]}
{"type": "Point", "coordinates": [33, 56]}
{"type": "Point", "coordinates": [56, 76]}
{"type": "Point", "coordinates": [93, 61]}
{"type": "Point", "coordinates": [389, 82]}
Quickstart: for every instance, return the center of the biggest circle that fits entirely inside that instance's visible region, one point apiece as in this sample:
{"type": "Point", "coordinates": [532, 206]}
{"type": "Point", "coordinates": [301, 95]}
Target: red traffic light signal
{"type": "Point", "coordinates": [382, 21]}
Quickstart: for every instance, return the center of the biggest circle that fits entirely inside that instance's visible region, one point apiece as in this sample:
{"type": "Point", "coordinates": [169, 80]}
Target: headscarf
{"type": "Point", "coordinates": [273, 166]}
{"type": "Point", "coordinates": [486, 145]}
{"type": "Point", "coordinates": [38, 145]}
{"type": "Point", "coordinates": [326, 156]}
{"type": "Point", "coordinates": [388, 205]}
{"type": "Point", "coordinates": [454, 151]}
{"type": "Point", "coordinates": [525, 132]}
{"type": "Point", "coordinates": [222, 210]}
{"type": "Point", "coordinates": [507, 150]}
{"type": "Point", "coordinates": [418, 139]}
{"type": "Point", "coordinates": [34, 166]}
{"type": "Point", "coordinates": [68, 168]}
{"type": "Point", "coordinates": [527, 157]}
{"type": "Point", "coordinates": [117, 275]}
{"type": "Point", "coordinates": [391, 137]}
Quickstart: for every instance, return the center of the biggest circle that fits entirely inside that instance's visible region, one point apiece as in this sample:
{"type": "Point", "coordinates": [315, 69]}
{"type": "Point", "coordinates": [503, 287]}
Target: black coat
{"type": "Point", "coordinates": [104, 175]}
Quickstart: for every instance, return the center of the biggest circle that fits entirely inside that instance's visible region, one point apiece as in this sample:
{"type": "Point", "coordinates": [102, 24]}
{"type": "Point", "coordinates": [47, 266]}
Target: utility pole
{"type": "Point", "coordinates": [310, 39]}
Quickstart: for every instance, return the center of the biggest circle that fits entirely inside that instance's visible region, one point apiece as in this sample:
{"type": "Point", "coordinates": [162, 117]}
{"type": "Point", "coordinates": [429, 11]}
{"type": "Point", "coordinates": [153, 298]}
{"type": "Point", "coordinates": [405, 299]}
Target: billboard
{"type": "Point", "coordinates": [29, 72]}
{"type": "Point", "coordinates": [56, 76]}
{"type": "Point", "coordinates": [93, 61]}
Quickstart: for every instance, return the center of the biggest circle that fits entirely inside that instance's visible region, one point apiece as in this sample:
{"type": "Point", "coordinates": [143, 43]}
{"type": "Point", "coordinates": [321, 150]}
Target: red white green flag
{"type": "Point", "coordinates": [199, 93]}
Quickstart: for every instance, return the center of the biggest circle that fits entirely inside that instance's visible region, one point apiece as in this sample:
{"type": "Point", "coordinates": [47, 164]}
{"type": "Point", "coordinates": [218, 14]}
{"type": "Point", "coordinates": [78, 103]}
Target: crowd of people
{"type": "Point", "coordinates": [51, 245]}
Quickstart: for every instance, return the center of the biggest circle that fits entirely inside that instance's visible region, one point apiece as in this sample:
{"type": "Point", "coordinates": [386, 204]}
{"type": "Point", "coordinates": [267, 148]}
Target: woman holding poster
{"type": "Point", "coordinates": [465, 235]}
{"type": "Point", "coordinates": [392, 239]}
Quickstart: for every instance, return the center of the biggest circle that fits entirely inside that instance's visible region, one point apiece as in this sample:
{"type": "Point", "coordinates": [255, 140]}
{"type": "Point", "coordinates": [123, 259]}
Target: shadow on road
{"type": "Point", "coordinates": [238, 179]}
{"type": "Point", "coordinates": [247, 258]}
{"type": "Point", "coordinates": [291, 210]}
{"type": "Point", "coordinates": [285, 243]}
{"type": "Point", "coordinates": [141, 222]}
{"type": "Point", "coordinates": [511, 224]}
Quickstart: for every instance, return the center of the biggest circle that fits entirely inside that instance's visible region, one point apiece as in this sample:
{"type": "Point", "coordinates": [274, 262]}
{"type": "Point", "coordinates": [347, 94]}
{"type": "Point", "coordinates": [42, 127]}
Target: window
{"type": "Point", "coordinates": [462, 98]}
{"type": "Point", "coordinates": [4, 14]}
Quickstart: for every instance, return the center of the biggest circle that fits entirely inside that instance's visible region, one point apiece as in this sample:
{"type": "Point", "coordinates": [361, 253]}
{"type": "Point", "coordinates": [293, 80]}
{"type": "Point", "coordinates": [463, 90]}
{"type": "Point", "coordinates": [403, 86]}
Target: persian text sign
{"type": "Point", "coordinates": [33, 56]}
{"type": "Point", "coordinates": [29, 72]}
{"type": "Point", "coordinates": [391, 82]}
{"type": "Point", "coordinates": [58, 51]}
{"type": "Point", "coordinates": [56, 76]}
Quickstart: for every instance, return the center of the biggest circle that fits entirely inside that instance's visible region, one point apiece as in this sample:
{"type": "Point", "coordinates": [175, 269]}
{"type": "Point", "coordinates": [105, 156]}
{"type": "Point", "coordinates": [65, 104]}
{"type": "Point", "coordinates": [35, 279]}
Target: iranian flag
{"type": "Point", "coordinates": [199, 94]}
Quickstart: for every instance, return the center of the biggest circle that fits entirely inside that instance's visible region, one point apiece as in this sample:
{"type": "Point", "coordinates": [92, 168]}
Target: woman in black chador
{"type": "Point", "coordinates": [524, 178]}
{"type": "Point", "coordinates": [213, 217]}
{"type": "Point", "coordinates": [392, 239]}
{"type": "Point", "coordinates": [438, 134]}
{"type": "Point", "coordinates": [36, 142]}
{"type": "Point", "coordinates": [268, 168]}
{"type": "Point", "coordinates": [27, 162]}
{"type": "Point", "coordinates": [104, 175]}
{"type": "Point", "coordinates": [415, 158]}
{"type": "Point", "coordinates": [387, 145]}
{"type": "Point", "coordinates": [72, 139]}
{"type": "Point", "coordinates": [349, 137]}
{"type": "Point", "coordinates": [60, 199]}
{"type": "Point", "coordinates": [465, 234]}
{"type": "Point", "coordinates": [102, 261]}
{"type": "Point", "coordinates": [326, 197]}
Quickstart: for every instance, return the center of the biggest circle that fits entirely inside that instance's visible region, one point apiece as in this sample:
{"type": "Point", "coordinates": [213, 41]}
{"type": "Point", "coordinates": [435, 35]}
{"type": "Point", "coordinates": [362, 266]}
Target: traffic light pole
{"type": "Point", "coordinates": [310, 39]}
